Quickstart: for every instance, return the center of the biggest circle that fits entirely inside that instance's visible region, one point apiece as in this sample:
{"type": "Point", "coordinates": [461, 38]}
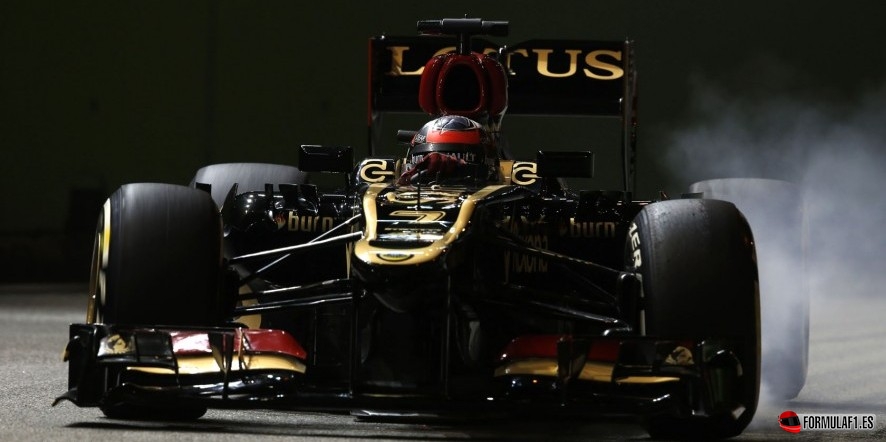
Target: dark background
{"type": "Point", "coordinates": [96, 94]}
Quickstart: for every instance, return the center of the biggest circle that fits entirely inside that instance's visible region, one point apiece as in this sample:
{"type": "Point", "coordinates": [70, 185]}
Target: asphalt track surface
{"type": "Point", "coordinates": [847, 375]}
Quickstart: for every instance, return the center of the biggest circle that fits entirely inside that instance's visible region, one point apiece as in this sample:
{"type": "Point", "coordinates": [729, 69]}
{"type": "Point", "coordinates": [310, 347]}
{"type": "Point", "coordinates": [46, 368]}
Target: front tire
{"type": "Point", "coordinates": [697, 262]}
{"type": "Point", "coordinates": [157, 261]}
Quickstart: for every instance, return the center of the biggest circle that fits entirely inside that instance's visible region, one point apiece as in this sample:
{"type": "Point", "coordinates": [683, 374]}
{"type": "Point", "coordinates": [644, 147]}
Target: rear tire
{"type": "Point", "coordinates": [249, 177]}
{"type": "Point", "coordinates": [696, 258]}
{"type": "Point", "coordinates": [157, 261]}
{"type": "Point", "coordinates": [775, 212]}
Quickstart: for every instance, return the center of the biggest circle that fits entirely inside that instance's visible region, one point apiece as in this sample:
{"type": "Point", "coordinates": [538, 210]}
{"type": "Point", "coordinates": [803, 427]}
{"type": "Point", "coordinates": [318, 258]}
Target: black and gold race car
{"type": "Point", "coordinates": [451, 279]}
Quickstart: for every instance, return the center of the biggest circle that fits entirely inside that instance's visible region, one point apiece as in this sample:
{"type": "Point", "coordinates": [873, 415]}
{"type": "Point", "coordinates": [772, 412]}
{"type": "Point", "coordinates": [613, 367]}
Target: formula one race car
{"type": "Point", "coordinates": [453, 278]}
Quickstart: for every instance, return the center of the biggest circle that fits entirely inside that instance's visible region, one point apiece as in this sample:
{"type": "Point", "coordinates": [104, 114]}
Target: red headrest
{"type": "Point", "coordinates": [474, 86]}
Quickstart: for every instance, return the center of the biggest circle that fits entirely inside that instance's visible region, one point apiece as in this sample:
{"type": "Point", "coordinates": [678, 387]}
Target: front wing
{"type": "Point", "coordinates": [251, 368]}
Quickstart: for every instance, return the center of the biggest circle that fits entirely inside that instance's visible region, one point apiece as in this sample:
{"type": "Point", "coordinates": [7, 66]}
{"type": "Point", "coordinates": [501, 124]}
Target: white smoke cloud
{"type": "Point", "coordinates": [834, 148]}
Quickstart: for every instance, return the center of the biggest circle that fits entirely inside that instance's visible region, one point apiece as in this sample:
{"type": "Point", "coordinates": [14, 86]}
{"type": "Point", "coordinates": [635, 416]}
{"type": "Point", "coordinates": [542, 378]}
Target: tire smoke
{"type": "Point", "coordinates": [836, 154]}
{"type": "Point", "coordinates": [834, 150]}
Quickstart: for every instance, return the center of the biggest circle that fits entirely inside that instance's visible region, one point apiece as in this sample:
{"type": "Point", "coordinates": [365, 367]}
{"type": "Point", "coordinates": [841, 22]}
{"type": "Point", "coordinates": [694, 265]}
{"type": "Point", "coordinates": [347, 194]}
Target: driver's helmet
{"type": "Point", "coordinates": [459, 137]}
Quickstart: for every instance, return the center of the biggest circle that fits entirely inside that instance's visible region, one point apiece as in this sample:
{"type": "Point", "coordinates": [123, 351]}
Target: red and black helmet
{"type": "Point", "coordinates": [454, 135]}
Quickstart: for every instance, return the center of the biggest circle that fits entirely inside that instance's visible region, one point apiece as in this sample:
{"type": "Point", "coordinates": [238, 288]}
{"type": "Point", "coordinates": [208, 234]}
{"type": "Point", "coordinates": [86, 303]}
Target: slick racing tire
{"type": "Point", "coordinates": [248, 177]}
{"type": "Point", "coordinates": [158, 258]}
{"type": "Point", "coordinates": [775, 212]}
{"type": "Point", "coordinates": [157, 261]}
{"type": "Point", "coordinates": [699, 279]}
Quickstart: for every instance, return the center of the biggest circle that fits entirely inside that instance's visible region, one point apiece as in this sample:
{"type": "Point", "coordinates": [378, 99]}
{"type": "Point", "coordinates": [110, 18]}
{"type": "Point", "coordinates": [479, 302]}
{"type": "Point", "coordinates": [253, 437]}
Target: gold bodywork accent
{"type": "Point", "coordinates": [207, 364]}
{"type": "Point", "coordinates": [250, 321]}
{"type": "Point", "coordinates": [646, 380]}
{"type": "Point", "coordinates": [505, 167]}
{"type": "Point", "coordinates": [592, 371]}
{"type": "Point", "coordinates": [375, 255]}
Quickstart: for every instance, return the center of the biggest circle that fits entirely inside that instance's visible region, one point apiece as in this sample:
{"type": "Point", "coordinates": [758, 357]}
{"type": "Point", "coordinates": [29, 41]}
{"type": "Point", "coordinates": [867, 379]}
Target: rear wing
{"type": "Point", "coordinates": [544, 77]}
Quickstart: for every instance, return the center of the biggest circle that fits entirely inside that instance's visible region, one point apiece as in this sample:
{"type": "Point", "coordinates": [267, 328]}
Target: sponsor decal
{"type": "Point", "coordinates": [394, 256]}
{"type": "Point", "coordinates": [116, 344]}
{"type": "Point", "coordinates": [796, 422]}
{"type": "Point", "coordinates": [523, 263]}
{"type": "Point", "coordinates": [467, 157]}
{"type": "Point", "coordinates": [599, 64]}
{"type": "Point", "coordinates": [680, 356]}
{"type": "Point", "coordinates": [398, 53]}
{"type": "Point", "coordinates": [635, 245]}
{"type": "Point", "coordinates": [523, 225]}
{"type": "Point", "coordinates": [531, 231]}
{"type": "Point", "coordinates": [590, 229]}
{"type": "Point", "coordinates": [420, 216]}
{"type": "Point", "coordinates": [524, 173]}
{"type": "Point", "coordinates": [376, 170]}
{"type": "Point", "coordinates": [412, 197]}
{"type": "Point", "coordinates": [303, 223]}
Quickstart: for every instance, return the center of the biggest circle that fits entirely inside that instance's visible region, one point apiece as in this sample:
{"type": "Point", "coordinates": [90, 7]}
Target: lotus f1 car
{"type": "Point", "coordinates": [502, 289]}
